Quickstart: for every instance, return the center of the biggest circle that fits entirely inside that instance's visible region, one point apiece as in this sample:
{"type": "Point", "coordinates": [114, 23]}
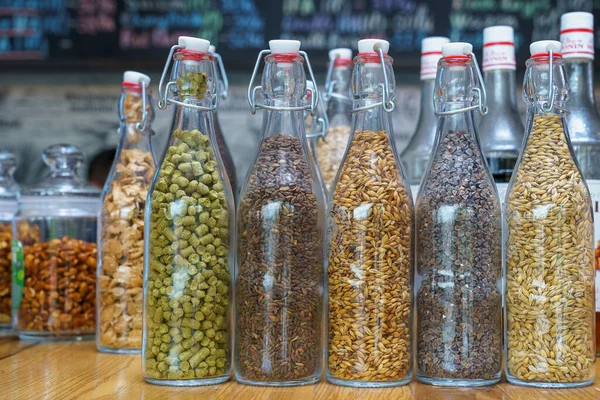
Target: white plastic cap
{"type": "Point", "coordinates": [136, 77]}
{"type": "Point", "coordinates": [498, 33]}
{"type": "Point", "coordinates": [284, 46]}
{"type": "Point", "coordinates": [456, 49]}
{"type": "Point", "coordinates": [343, 53]}
{"type": "Point", "coordinates": [578, 19]}
{"type": "Point", "coordinates": [212, 49]}
{"type": "Point", "coordinates": [433, 44]}
{"type": "Point", "coordinates": [366, 45]}
{"type": "Point", "coordinates": [195, 44]}
{"type": "Point", "coordinates": [543, 46]}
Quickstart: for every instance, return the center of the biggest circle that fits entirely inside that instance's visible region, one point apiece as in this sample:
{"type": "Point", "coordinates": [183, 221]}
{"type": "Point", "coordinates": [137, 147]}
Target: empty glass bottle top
{"type": "Point", "coordinates": [8, 164]}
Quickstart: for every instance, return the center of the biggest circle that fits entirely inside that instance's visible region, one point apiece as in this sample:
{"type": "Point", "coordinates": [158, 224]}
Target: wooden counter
{"type": "Point", "coordinates": [69, 371]}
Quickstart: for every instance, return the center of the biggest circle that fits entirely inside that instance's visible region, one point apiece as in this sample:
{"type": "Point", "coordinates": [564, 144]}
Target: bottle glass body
{"type": "Point", "coordinates": [189, 228]}
{"type": "Point", "coordinates": [549, 311]}
{"type": "Point", "coordinates": [370, 247]}
{"type": "Point", "coordinates": [8, 208]}
{"type": "Point", "coordinates": [281, 213]}
{"type": "Point", "coordinates": [583, 122]}
{"type": "Point", "coordinates": [330, 149]}
{"type": "Point", "coordinates": [459, 233]}
{"type": "Point", "coordinates": [225, 155]}
{"type": "Point", "coordinates": [501, 129]}
{"type": "Point", "coordinates": [55, 254]}
{"type": "Point", "coordinates": [415, 156]}
{"type": "Point", "coordinates": [121, 231]}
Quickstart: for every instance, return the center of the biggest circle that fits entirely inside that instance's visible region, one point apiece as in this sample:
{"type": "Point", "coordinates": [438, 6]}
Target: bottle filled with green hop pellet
{"type": "Point", "coordinates": [188, 226]}
{"type": "Point", "coordinates": [281, 218]}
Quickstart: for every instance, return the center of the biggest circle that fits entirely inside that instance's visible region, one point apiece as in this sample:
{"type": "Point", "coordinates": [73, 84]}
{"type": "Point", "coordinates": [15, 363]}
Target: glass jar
{"type": "Point", "coordinates": [8, 207]}
{"type": "Point", "coordinates": [189, 228]}
{"type": "Point", "coordinates": [501, 128]}
{"type": "Point", "coordinates": [121, 221]}
{"type": "Point", "coordinates": [54, 252]}
{"type": "Point", "coordinates": [459, 233]}
{"type": "Point", "coordinates": [330, 148]}
{"type": "Point", "coordinates": [549, 312]}
{"type": "Point", "coordinates": [416, 154]}
{"type": "Point", "coordinates": [371, 220]}
{"type": "Point", "coordinates": [281, 216]}
{"type": "Point", "coordinates": [223, 87]}
{"type": "Point", "coordinates": [583, 121]}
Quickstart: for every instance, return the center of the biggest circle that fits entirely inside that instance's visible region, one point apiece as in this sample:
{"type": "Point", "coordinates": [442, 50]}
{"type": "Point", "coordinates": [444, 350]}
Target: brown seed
{"type": "Point", "coordinates": [370, 263]}
{"type": "Point", "coordinates": [549, 263]}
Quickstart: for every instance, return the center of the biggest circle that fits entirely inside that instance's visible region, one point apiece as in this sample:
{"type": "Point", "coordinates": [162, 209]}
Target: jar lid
{"type": "Point", "coordinates": [8, 164]}
{"type": "Point", "coordinates": [63, 160]}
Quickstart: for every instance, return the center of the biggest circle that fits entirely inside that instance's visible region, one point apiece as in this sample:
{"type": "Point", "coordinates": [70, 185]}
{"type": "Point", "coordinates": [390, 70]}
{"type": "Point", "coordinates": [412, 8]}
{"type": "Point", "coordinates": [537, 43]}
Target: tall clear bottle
{"type": "Point", "coordinates": [121, 223]}
{"type": "Point", "coordinates": [331, 147]}
{"type": "Point", "coordinates": [316, 127]}
{"type": "Point", "coordinates": [459, 233]}
{"type": "Point", "coordinates": [370, 239]}
{"type": "Point", "coordinates": [501, 129]}
{"type": "Point", "coordinates": [8, 208]}
{"type": "Point", "coordinates": [223, 83]}
{"type": "Point", "coordinates": [416, 154]}
{"type": "Point", "coordinates": [549, 312]}
{"type": "Point", "coordinates": [281, 215]}
{"type": "Point", "coordinates": [577, 40]}
{"type": "Point", "coordinates": [189, 231]}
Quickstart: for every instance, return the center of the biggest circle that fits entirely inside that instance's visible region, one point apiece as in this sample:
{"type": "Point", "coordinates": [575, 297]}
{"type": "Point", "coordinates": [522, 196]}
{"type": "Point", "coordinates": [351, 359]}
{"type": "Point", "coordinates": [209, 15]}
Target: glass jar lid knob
{"type": "Point", "coordinates": [62, 158]}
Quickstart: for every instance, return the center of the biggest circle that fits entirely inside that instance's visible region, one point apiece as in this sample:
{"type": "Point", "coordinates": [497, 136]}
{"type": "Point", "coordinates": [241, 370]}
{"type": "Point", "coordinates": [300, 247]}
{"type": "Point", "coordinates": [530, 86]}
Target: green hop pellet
{"type": "Point", "coordinates": [188, 266]}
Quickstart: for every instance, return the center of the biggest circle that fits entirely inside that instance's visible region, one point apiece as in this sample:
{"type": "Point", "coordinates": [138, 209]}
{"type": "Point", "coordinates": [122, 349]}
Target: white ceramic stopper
{"type": "Point", "coordinates": [456, 49]}
{"type": "Point", "coordinates": [342, 53]}
{"type": "Point", "coordinates": [195, 44]}
{"type": "Point", "coordinates": [367, 45]}
{"type": "Point", "coordinates": [284, 46]}
{"type": "Point", "coordinates": [543, 46]}
{"type": "Point", "coordinates": [136, 77]}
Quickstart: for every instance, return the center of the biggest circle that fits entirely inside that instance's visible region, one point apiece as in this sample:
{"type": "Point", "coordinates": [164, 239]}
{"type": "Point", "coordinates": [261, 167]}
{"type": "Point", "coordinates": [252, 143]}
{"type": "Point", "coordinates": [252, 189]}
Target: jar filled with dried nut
{"type": "Point", "coordinates": [331, 147]}
{"type": "Point", "coordinates": [189, 226]}
{"type": "Point", "coordinates": [459, 235]}
{"type": "Point", "coordinates": [54, 252]}
{"type": "Point", "coordinates": [550, 326]}
{"type": "Point", "coordinates": [281, 213]}
{"type": "Point", "coordinates": [121, 234]}
{"type": "Point", "coordinates": [370, 241]}
{"type": "Point", "coordinates": [8, 207]}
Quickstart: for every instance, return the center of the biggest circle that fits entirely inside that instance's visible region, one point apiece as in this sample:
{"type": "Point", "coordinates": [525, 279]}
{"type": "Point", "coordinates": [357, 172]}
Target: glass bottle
{"type": "Point", "coordinates": [281, 217]}
{"type": "Point", "coordinates": [189, 228]}
{"type": "Point", "coordinates": [331, 147]}
{"type": "Point", "coordinates": [54, 252]}
{"type": "Point", "coordinates": [370, 239]}
{"type": "Point", "coordinates": [459, 233]}
{"type": "Point", "coordinates": [583, 121]}
{"type": "Point", "coordinates": [8, 207]}
{"type": "Point", "coordinates": [223, 83]}
{"type": "Point", "coordinates": [315, 127]}
{"type": "Point", "coordinates": [549, 284]}
{"type": "Point", "coordinates": [416, 154]}
{"type": "Point", "coordinates": [121, 223]}
{"type": "Point", "coordinates": [501, 129]}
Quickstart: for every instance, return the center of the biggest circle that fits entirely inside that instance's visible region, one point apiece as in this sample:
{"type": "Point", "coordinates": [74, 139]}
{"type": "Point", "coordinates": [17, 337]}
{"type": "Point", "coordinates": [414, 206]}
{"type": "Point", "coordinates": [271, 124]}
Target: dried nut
{"type": "Point", "coordinates": [330, 152]}
{"type": "Point", "coordinates": [459, 265]}
{"type": "Point", "coordinates": [188, 281]}
{"type": "Point", "coordinates": [280, 280]}
{"type": "Point", "coordinates": [59, 289]}
{"type": "Point", "coordinates": [370, 265]}
{"type": "Point", "coordinates": [5, 272]}
{"type": "Point", "coordinates": [549, 263]}
{"type": "Point", "coordinates": [122, 252]}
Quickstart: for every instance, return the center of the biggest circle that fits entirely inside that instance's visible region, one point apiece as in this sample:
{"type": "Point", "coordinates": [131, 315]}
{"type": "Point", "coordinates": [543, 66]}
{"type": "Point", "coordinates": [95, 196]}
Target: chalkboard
{"type": "Point", "coordinates": [124, 33]}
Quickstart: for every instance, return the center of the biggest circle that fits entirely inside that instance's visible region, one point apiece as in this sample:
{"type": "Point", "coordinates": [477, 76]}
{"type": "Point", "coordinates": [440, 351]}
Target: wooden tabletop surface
{"type": "Point", "coordinates": [75, 370]}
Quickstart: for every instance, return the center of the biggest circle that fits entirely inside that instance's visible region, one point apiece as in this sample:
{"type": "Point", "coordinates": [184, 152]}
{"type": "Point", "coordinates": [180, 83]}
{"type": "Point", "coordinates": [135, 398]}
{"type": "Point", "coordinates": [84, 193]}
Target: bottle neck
{"type": "Point", "coordinates": [501, 93]}
{"type": "Point", "coordinates": [340, 104]}
{"type": "Point", "coordinates": [427, 118]}
{"type": "Point", "coordinates": [580, 73]}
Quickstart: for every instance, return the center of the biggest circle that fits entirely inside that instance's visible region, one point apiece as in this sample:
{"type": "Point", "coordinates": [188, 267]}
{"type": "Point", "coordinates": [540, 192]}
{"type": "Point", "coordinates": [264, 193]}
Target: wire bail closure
{"type": "Point", "coordinates": [314, 101]}
{"type": "Point", "coordinates": [140, 126]}
{"type": "Point", "coordinates": [388, 99]}
{"type": "Point", "coordinates": [164, 89]}
{"type": "Point", "coordinates": [223, 73]}
{"type": "Point", "coordinates": [330, 85]}
{"type": "Point", "coordinates": [480, 93]}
